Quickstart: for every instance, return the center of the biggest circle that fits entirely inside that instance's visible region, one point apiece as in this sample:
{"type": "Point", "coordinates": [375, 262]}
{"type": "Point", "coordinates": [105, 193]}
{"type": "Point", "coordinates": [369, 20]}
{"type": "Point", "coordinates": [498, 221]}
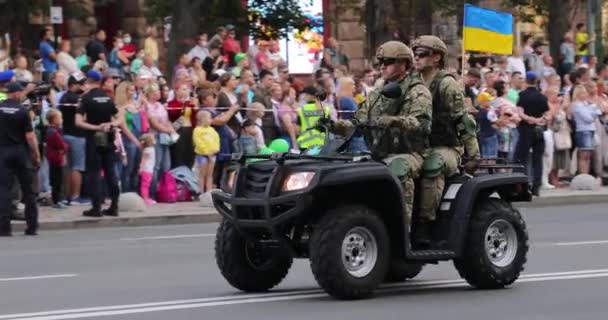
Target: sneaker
{"type": "Point", "coordinates": [66, 203]}
{"type": "Point", "coordinates": [95, 213]}
{"type": "Point", "coordinates": [31, 232]}
{"type": "Point", "coordinates": [81, 201]}
{"type": "Point", "coordinates": [59, 205]}
{"type": "Point", "coordinates": [149, 202]}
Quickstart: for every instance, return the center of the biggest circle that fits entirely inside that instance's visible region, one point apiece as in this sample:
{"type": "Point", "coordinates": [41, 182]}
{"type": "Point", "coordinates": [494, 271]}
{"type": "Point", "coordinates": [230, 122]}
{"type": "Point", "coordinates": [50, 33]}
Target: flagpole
{"type": "Point", "coordinates": [463, 51]}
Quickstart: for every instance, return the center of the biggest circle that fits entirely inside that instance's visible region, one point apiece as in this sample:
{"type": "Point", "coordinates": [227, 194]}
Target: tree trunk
{"type": "Point", "coordinates": [558, 26]}
{"type": "Point", "coordinates": [185, 25]}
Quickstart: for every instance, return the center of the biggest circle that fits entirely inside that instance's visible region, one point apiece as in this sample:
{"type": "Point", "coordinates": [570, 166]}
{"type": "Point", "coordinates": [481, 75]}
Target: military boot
{"type": "Point", "coordinates": [422, 234]}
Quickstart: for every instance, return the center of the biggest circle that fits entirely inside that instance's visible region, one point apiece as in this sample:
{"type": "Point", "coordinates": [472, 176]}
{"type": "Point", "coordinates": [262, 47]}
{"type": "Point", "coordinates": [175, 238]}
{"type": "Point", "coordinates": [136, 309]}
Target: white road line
{"type": "Point", "coordinates": [580, 243]}
{"type": "Point", "coordinates": [179, 236]}
{"type": "Point", "coordinates": [50, 276]}
{"type": "Point", "coordinates": [274, 297]}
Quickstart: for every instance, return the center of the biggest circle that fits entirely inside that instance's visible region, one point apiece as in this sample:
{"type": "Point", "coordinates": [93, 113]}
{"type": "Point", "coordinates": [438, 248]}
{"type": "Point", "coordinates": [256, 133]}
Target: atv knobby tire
{"type": "Point", "coordinates": [232, 257]}
{"type": "Point", "coordinates": [401, 271]}
{"type": "Point", "coordinates": [475, 265]}
{"type": "Point", "coordinates": [326, 252]}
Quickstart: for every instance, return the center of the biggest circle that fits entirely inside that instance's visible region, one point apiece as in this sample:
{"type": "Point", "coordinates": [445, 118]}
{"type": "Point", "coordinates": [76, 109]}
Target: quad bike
{"type": "Point", "coordinates": [345, 213]}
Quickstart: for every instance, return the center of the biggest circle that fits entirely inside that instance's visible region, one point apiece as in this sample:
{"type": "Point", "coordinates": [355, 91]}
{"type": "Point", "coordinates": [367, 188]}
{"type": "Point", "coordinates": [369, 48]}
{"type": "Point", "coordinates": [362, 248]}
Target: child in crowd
{"type": "Point", "coordinates": [246, 143]}
{"type": "Point", "coordinates": [146, 168]}
{"type": "Point", "coordinates": [206, 146]}
{"type": "Point", "coordinates": [255, 114]}
{"type": "Point", "coordinates": [56, 150]}
{"type": "Point", "coordinates": [489, 124]}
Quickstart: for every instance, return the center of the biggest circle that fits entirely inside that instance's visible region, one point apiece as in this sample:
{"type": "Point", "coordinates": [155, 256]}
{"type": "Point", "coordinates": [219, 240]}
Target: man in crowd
{"type": "Point", "coordinates": [200, 50]}
{"type": "Point", "coordinates": [471, 81]}
{"type": "Point", "coordinates": [517, 84]}
{"type": "Point", "coordinates": [231, 46]}
{"type": "Point", "coordinates": [533, 106]}
{"type": "Point", "coordinates": [567, 54]}
{"type": "Point", "coordinates": [19, 157]}
{"type": "Point", "coordinates": [583, 41]}
{"type": "Point", "coordinates": [96, 49]}
{"type": "Point", "coordinates": [217, 41]}
{"type": "Point", "coordinates": [515, 63]}
{"type": "Point", "coordinates": [148, 69]}
{"type": "Point", "coordinates": [535, 60]}
{"type": "Point", "coordinates": [48, 54]}
{"type": "Point", "coordinates": [263, 96]}
{"type": "Point", "coordinates": [451, 129]}
{"type": "Point", "coordinates": [95, 116]}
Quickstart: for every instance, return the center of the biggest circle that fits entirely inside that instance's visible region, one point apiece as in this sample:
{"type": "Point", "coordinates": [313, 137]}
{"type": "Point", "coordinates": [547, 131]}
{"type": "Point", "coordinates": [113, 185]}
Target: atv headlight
{"type": "Point", "coordinates": [230, 180]}
{"type": "Point", "coordinates": [297, 181]}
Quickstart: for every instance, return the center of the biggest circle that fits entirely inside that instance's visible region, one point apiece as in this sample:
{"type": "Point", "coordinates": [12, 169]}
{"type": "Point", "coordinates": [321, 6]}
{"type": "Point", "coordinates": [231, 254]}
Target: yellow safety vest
{"type": "Point", "coordinates": [309, 115]}
{"type": "Point", "coordinates": [3, 96]}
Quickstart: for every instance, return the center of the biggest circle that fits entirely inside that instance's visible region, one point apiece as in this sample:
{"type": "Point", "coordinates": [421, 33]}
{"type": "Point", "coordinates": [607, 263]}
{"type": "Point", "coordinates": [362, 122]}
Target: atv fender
{"type": "Point", "coordinates": [506, 184]}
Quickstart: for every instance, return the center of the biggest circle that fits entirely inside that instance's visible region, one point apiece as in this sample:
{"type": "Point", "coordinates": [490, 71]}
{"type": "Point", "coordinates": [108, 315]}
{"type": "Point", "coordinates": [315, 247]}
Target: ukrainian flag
{"type": "Point", "coordinates": [487, 30]}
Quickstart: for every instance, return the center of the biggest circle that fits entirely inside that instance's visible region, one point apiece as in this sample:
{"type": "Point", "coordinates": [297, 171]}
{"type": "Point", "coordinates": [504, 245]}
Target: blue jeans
{"type": "Point", "coordinates": [489, 146]}
{"type": "Point", "coordinates": [129, 174]}
{"type": "Point", "coordinates": [44, 180]}
{"type": "Point", "coordinates": [162, 156]}
{"type": "Point", "coordinates": [513, 146]}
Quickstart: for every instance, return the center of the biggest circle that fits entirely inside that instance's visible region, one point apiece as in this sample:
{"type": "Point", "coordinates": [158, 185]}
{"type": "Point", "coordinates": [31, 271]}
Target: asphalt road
{"type": "Point", "coordinates": [170, 273]}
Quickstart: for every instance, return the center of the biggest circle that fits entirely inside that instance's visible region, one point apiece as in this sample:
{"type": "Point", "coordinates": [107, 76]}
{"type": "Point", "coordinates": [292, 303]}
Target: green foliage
{"type": "Point", "coordinates": [263, 18]}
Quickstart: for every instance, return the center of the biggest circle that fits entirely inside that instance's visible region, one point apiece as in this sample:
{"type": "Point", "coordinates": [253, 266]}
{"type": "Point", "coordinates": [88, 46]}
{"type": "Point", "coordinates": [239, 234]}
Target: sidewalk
{"type": "Point", "coordinates": [193, 212]}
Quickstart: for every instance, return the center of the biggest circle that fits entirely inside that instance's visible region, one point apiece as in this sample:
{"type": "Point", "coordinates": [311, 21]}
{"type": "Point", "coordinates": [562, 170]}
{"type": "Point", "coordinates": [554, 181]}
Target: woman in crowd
{"type": "Point", "coordinates": [508, 134]}
{"type": "Point", "coordinates": [137, 123]}
{"type": "Point", "coordinates": [227, 98]}
{"type": "Point", "coordinates": [562, 139]}
{"type": "Point", "coordinates": [554, 101]}
{"type": "Point", "coordinates": [182, 113]}
{"type": "Point", "coordinates": [161, 127]}
{"type": "Point", "coordinates": [288, 118]}
{"type": "Point", "coordinates": [597, 97]}
{"type": "Point", "coordinates": [584, 114]}
{"type": "Point", "coordinates": [197, 72]}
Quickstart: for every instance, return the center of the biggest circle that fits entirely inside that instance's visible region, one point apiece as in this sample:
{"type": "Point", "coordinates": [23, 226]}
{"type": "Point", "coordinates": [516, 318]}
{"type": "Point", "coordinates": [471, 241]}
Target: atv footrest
{"type": "Point", "coordinates": [432, 255]}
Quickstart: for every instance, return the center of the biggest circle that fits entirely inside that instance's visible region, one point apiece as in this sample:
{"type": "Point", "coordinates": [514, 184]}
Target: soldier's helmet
{"type": "Point", "coordinates": [432, 43]}
{"type": "Point", "coordinates": [394, 50]}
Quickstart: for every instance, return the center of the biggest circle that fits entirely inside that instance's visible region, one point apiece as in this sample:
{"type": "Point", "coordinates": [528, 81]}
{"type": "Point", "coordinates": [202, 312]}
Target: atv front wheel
{"type": "Point", "coordinates": [496, 246]}
{"type": "Point", "coordinates": [247, 265]}
{"type": "Point", "coordinates": [349, 252]}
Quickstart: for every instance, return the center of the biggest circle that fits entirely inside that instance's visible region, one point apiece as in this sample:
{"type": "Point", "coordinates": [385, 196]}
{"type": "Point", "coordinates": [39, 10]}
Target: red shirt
{"type": "Point", "coordinates": [56, 148]}
{"type": "Point", "coordinates": [175, 109]}
{"type": "Point", "coordinates": [261, 59]}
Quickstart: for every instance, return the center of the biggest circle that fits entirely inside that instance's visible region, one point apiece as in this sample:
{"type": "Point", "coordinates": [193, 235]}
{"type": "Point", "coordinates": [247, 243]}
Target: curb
{"type": "Point", "coordinates": [208, 215]}
{"type": "Point", "coordinates": [569, 200]}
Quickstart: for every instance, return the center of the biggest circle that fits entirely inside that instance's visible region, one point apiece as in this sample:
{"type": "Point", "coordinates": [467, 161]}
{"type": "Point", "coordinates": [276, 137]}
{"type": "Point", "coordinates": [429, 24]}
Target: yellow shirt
{"type": "Point", "coordinates": [187, 117]}
{"type": "Point", "coordinates": [151, 48]}
{"type": "Point", "coordinates": [581, 39]}
{"type": "Point", "coordinates": [206, 141]}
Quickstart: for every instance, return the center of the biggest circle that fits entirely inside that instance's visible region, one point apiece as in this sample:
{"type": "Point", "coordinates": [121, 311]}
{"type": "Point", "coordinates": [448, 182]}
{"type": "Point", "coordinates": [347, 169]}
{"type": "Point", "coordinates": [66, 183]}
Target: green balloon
{"type": "Point", "coordinates": [279, 145]}
{"type": "Point", "coordinates": [265, 151]}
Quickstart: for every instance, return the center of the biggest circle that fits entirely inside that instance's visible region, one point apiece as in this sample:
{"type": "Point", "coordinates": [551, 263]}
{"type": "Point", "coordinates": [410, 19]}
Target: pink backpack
{"type": "Point", "coordinates": [183, 193]}
{"type": "Point", "coordinates": [167, 189]}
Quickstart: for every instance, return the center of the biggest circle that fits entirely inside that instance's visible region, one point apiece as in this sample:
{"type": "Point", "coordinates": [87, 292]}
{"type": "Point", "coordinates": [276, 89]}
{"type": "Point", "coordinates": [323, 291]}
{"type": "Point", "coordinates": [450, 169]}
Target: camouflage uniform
{"type": "Point", "coordinates": [451, 130]}
{"type": "Point", "coordinates": [405, 123]}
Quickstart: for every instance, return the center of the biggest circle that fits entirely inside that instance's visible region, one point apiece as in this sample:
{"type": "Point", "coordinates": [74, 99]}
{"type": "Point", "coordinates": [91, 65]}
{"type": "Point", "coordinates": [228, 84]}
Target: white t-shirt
{"type": "Point", "coordinates": [67, 63]}
{"type": "Point", "coordinates": [516, 64]}
{"type": "Point", "coordinates": [147, 165]}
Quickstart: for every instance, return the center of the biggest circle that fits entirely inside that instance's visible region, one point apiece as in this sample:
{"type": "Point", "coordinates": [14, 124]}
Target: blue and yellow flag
{"type": "Point", "coordinates": [487, 30]}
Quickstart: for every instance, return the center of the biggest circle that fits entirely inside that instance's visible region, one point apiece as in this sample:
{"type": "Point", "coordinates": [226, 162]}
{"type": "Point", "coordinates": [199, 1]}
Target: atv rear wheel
{"type": "Point", "coordinates": [400, 271]}
{"type": "Point", "coordinates": [246, 265]}
{"type": "Point", "coordinates": [349, 252]}
{"type": "Point", "coordinates": [496, 246]}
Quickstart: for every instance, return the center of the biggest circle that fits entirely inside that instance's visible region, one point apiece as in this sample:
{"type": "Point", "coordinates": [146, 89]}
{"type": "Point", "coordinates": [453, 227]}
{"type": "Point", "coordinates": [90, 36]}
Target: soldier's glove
{"type": "Point", "coordinates": [471, 166]}
{"type": "Point", "coordinates": [386, 121]}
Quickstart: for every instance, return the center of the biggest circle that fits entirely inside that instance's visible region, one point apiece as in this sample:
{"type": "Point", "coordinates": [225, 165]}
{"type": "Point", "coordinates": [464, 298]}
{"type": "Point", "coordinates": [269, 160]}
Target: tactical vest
{"type": "Point", "coordinates": [309, 115]}
{"type": "Point", "coordinates": [443, 128]}
{"type": "Point", "coordinates": [394, 140]}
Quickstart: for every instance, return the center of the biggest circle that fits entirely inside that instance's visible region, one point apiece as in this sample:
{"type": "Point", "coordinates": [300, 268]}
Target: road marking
{"type": "Point", "coordinates": [275, 297]}
{"type": "Point", "coordinates": [580, 243]}
{"type": "Point", "coordinates": [179, 236]}
{"type": "Point", "coordinates": [50, 276]}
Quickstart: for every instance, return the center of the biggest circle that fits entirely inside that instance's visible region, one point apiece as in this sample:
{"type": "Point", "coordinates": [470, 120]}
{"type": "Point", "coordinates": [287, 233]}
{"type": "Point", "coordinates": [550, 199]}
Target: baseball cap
{"type": "Point", "coordinates": [76, 78]}
{"type": "Point", "coordinates": [484, 97]}
{"type": "Point", "coordinates": [94, 75]}
{"type": "Point", "coordinates": [531, 76]}
{"type": "Point", "coordinates": [14, 87]}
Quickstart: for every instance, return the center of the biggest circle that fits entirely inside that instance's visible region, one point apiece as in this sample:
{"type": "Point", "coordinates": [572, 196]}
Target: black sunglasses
{"type": "Point", "coordinates": [386, 61]}
{"type": "Point", "coordinates": [422, 53]}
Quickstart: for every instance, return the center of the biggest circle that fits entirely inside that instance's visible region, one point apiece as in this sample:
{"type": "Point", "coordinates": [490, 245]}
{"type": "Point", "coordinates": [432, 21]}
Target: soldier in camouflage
{"type": "Point", "coordinates": [403, 124]}
{"type": "Point", "coordinates": [451, 130]}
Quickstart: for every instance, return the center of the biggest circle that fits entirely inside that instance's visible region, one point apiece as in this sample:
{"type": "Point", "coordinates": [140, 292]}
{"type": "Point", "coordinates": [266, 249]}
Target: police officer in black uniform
{"type": "Point", "coordinates": [19, 157]}
{"type": "Point", "coordinates": [97, 116]}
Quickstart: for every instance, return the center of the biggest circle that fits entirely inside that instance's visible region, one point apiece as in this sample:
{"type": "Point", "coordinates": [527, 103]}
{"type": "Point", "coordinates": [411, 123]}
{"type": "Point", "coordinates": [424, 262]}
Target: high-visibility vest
{"type": "Point", "coordinates": [309, 115]}
{"type": "Point", "coordinates": [3, 96]}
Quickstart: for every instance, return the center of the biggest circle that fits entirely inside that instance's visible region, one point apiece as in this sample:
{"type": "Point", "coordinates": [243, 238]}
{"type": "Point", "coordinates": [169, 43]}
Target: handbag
{"type": "Point", "coordinates": [562, 139]}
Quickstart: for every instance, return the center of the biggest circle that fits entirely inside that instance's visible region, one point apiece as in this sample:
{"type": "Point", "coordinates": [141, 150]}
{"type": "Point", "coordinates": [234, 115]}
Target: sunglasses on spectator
{"type": "Point", "coordinates": [386, 61]}
{"type": "Point", "coordinates": [422, 53]}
